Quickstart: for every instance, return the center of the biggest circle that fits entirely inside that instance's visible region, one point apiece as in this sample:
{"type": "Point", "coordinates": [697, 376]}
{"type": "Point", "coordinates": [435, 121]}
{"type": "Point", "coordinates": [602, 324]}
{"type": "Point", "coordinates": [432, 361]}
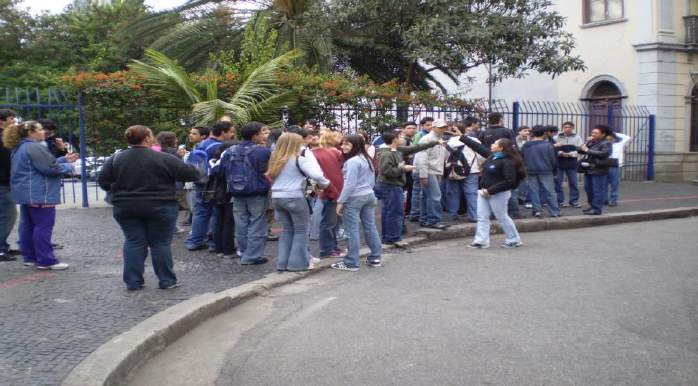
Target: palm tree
{"type": "Point", "coordinates": [259, 97]}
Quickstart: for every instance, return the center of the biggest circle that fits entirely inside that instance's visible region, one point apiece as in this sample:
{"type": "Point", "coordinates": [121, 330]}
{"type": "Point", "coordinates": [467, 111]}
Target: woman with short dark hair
{"type": "Point", "coordinates": [142, 183]}
{"type": "Point", "coordinates": [594, 165]}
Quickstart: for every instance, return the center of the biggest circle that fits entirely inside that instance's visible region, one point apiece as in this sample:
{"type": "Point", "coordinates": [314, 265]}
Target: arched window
{"type": "Point", "coordinates": [694, 119]}
{"type": "Point", "coordinates": [602, 96]}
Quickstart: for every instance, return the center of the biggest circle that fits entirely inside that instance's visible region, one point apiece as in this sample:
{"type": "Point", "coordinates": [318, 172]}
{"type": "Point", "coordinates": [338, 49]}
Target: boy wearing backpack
{"type": "Point", "coordinates": [244, 166]}
{"type": "Point", "coordinates": [203, 211]}
{"type": "Point", "coordinates": [461, 175]}
{"type": "Point", "coordinates": [391, 180]}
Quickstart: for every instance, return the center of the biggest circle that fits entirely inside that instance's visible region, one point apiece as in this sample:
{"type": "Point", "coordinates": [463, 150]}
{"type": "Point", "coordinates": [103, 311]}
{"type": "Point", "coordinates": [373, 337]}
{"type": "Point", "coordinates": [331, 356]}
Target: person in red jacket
{"type": "Point", "coordinates": [330, 160]}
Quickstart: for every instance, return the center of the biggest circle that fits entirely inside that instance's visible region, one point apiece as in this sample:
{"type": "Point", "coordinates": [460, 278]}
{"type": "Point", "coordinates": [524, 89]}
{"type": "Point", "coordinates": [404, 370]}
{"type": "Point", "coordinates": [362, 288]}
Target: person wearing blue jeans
{"type": "Point", "coordinates": [357, 205]}
{"type": "Point", "coordinates": [571, 175]}
{"type": "Point", "coordinates": [455, 189]}
{"type": "Point", "coordinates": [147, 227]}
{"type": "Point", "coordinates": [540, 158]}
{"type": "Point", "coordinates": [201, 223]}
{"type": "Point", "coordinates": [244, 166]}
{"type": "Point", "coordinates": [430, 168]}
{"type": "Point", "coordinates": [328, 228]}
{"type": "Point", "coordinates": [595, 187]}
{"type": "Point", "coordinates": [147, 220]}
{"type": "Point", "coordinates": [496, 204]}
{"type": "Point", "coordinates": [613, 193]}
{"type": "Point", "coordinates": [416, 204]}
{"type": "Point", "coordinates": [391, 212]}
{"type": "Point", "coordinates": [542, 188]}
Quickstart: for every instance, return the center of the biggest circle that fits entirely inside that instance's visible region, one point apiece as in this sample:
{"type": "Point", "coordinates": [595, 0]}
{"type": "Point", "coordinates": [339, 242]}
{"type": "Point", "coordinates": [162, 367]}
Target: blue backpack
{"type": "Point", "coordinates": [199, 159]}
{"type": "Point", "coordinates": [240, 176]}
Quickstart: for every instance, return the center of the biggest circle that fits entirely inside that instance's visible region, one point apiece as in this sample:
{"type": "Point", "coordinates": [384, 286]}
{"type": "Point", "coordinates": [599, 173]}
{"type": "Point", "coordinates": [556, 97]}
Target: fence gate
{"type": "Point", "coordinates": [32, 104]}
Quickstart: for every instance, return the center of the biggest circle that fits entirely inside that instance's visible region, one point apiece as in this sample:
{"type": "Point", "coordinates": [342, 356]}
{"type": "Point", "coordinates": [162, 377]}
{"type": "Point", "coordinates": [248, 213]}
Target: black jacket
{"type": "Point", "coordinates": [139, 176]}
{"type": "Point", "coordinates": [491, 134]}
{"type": "Point", "coordinates": [5, 167]}
{"type": "Point", "coordinates": [497, 175]}
{"type": "Point", "coordinates": [598, 151]}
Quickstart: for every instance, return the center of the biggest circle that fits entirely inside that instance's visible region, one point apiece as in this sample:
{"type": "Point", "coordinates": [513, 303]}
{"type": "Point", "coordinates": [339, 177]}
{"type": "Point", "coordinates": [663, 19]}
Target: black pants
{"type": "Point", "coordinates": [224, 229]}
{"type": "Point", "coordinates": [408, 188]}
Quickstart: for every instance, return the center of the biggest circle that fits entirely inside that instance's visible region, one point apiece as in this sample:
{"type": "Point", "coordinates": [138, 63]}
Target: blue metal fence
{"type": "Point", "coordinates": [634, 121]}
{"type": "Point", "coordinates": [35, 103]}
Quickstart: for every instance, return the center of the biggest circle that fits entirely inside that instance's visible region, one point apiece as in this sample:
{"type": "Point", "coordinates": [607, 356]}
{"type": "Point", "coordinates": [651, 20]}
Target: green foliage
{"type": "Point", "coordinates": [258, 47]}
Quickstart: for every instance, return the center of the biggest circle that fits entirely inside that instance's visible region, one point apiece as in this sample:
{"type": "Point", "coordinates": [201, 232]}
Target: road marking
{"type": "Point", "coordinates": [25, 279]}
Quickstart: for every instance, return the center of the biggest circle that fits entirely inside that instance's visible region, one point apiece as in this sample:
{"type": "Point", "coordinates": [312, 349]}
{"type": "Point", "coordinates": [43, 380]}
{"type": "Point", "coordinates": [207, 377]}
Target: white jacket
{"type": "Point", "coordinates": [619, 148]}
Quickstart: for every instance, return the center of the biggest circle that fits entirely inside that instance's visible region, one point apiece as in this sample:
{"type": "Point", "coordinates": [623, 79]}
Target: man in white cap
{"type": "Point", "coordinates": [429, 166]}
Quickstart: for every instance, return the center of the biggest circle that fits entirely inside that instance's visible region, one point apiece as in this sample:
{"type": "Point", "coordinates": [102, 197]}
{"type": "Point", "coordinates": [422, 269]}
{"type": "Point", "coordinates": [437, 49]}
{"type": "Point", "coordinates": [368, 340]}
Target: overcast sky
{"type": "Point", "coordinates": [56, 6]}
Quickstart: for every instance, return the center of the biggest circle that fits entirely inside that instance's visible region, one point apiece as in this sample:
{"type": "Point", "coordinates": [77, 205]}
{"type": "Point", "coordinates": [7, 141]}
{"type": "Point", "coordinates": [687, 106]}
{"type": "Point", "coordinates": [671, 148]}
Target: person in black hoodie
{"type": "Point", "coordinates": [594, 165]}
{"type": "Point", "coordinates": [501, 173]}
{"type": "Point", "coordinates": [541, 164]}
{"type": "Point", "coordinates": [142, 184]}
{"type": "Point", "coordinates": [8, 207]}
{"type": "Point", "coordinates": [216, 193]}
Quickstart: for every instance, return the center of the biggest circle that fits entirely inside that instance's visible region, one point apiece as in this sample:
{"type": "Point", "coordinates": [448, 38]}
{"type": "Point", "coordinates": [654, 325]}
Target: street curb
{"type": "Point", "coordinates": [113, 362]}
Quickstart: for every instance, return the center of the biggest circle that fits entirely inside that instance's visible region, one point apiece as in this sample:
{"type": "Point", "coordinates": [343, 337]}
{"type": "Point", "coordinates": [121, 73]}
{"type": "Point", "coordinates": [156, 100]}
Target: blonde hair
{"type": "Point", "coordinates": [287, 146]}
{"type": "Point", "coordinates": [13, 134]}
{"type": "Point", "coordinates": [330, 139]}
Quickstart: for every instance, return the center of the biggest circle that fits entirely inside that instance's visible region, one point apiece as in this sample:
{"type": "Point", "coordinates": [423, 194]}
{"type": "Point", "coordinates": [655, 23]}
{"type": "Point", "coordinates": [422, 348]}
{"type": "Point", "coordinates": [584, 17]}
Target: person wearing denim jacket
{"type": "Point", "coordinates": [35, 183]}
{"type": "Point", "coordinates": [357, 205]}
{"type": "Point", "coordinates": [289, 169]}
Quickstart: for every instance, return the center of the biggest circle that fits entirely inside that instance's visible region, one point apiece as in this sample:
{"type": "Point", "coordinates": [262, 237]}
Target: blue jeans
{"type": "Point", "coordinates": [35, 230]}
{"type": "Point", "coordinates": [430, 213]}
{"type": "Point", "coordinates": [201, 222]}
{"type": "Point", "coordinates": [613, 184]}
{"type": "Point", "coordinates": [328, 228]}
{"type": "Point", "coordinates": [251, 226]}
{"type": "Point", "coordinates": [454, 190]}
{"type": "Point", "coordinates": [496, 204]}
{"type": "Point", "coordinates": [571, 181]}
{"type": "Point", "coordinates": [392, 214]}
{"type": "Point", "coordinates": [8, 216]}
{"type": "Point", "coordinates": [293, 214]}
{"type": "Point", "coordinates": [361, 210]}
{"type": "Point", "coordinates": [542, 189]}
{"type": "Point", "coordinates": [145, 227]}
{"type": "Point", "coordinates": [416, 204]}
{"type": "Point", "coordinates": [513, 204]}
{"type": "Point", "coordinates": [596, 189]}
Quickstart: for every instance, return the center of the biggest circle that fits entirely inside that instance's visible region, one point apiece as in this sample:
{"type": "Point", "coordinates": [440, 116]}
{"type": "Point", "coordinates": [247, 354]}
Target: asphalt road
{"type": "Point", "coordinates": [613, 305]}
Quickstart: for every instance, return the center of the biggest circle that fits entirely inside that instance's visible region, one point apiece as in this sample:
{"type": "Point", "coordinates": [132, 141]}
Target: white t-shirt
{"type": "Point", "coordinates": [619, 148]}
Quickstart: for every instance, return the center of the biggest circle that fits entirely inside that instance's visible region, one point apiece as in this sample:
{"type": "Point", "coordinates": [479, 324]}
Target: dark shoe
{"type": "Point", "coordinates": [7, 257]}
{"type": "Point", "coordinates": [512, 245]}
{"type": "Point", "coordinates": [185, 223]}
{"type": "Point", "coordinates": [172, 286]}
{"type": "Point", "coordinates": [14, 252]}
{"type": "Point", "coordinates": [57, 246]}
{"type": "Point", "coordinates": [374, 263]}
{"type": "Point", "coordinates": [411, 219]}
{"type": "Point", "coordinates": [588, 210]}
{"type": "Point", "coordinates": [612, 203]}
{"type": "Point", "coordinates": [272, 237]}
{"type": "Point", "coordinates": [592, 213]}
{"type": "Point", "coordinates": [436, 226]}
{"type": "Point", "coordinates": [256, 262]}
{"type": "Point", "coordinates": [563, 205]}
{"type": "Point", "coordinates": [537, 214]}
{"type": "Point", "coordinates": [477, 246]}
{"type": "Point", "coordinates": [516, 216]}
{"type": "Point", "coordinates": [575, 204]}
{"type": "Point", "coordinates": [196, 248]}
{"type": "Point", "coordinates": [140, 287]}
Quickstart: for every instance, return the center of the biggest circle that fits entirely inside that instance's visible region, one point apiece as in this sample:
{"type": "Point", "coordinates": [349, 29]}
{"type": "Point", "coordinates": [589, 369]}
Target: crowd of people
{"type": "Point", "coordinates": [234, 182]}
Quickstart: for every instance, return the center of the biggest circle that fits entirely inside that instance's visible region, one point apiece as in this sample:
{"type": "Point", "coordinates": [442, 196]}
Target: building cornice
{"type": "Point", "coordinates": [659, 46]}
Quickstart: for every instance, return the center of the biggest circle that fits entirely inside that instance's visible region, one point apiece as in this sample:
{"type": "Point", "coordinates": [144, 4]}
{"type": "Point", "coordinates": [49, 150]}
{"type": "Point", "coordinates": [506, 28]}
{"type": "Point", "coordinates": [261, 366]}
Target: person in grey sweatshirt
{"type": "Point", "coordinates": [357, 204]}
{"type": "Point", "coordinates": [290, 168]}
{"type": "Point", "coordinates": [429, 166]}
{"type": "Point", "coordinates": [541, 161]}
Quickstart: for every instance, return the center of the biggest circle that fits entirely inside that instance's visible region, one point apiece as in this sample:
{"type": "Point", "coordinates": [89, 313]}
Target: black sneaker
{"type": "Point", "coordinates": [563, 205]}
{"type": "Point", "coordinates": [256, 262]}
{"type": "Point", "coordinates": [575, 204]}
{"type": "Point", "coordinates": [373, 263]}
{"type": "Point", "coordinates": [537, 215]}
{"type": "Point", "coordinates": [7, 257]}
{"type": "Point", "coordinates": [57, 246]}
{"type": "Point", "coordinates": [272, 237]}
{"type": "Point", "coordinates": [172, 286]}
{"type": "Point", "coordinates": [477, 246]}
{"type": "Point", "coordinates": [612, 203]}
{"type": "Point", "coordinates": [196, 247]}
{"type": "Point", "coordinates": [14, 252]}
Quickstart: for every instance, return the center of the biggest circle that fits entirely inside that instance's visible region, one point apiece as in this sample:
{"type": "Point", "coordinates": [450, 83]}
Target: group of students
{"type": "Point", "coordinates": [419, 172]}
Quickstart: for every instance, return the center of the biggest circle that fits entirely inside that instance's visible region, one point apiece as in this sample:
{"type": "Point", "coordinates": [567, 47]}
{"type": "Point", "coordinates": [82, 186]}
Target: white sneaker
{"type": "Point", "coordinates": [55, 267]}
{"type": "Point", "coordinates": [315, 260]}
{"type": "Point", "coordinates": [28, 264]}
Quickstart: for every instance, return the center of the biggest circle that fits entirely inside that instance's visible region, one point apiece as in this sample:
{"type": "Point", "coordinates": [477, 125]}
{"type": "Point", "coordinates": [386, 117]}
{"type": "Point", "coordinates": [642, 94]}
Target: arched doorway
{"type": "Point", "coordinates": [601, 96]}
{"type": "Point", "coordinates": [694, 119]}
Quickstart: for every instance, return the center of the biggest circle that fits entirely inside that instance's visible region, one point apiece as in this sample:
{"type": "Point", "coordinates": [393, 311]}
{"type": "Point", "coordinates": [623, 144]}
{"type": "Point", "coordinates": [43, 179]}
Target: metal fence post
{"type": "Point", "coordinates": [650, 147]}
{"type": "Point", "coordinates": [83, 152]}
{"type": "Point", "coordinates": [515, 116]}
{"type": "Point", "coordinates": [609, 116]}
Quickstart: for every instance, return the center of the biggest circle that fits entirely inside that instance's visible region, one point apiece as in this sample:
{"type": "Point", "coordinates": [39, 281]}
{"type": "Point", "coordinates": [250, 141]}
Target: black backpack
{"type": "Point", "coordinates": [457, 167]}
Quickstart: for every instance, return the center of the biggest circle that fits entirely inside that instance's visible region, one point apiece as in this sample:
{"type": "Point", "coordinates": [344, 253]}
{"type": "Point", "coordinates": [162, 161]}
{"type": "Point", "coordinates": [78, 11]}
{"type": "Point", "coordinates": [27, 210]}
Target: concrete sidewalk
{"type": "Point", "coordinates": [54, 320]}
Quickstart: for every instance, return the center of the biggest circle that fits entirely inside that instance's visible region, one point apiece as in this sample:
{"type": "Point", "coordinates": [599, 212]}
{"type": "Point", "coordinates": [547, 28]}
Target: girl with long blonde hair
{"type": "Point", "coordinates": [290, 168]}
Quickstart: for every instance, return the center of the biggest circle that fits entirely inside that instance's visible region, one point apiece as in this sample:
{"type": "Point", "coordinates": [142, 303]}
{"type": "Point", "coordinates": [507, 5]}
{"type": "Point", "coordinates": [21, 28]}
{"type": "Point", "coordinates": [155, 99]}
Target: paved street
{"type": "Point", "coordinates": [614, 305]}
{"type": "Point", "coordinates": [51, 321]}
